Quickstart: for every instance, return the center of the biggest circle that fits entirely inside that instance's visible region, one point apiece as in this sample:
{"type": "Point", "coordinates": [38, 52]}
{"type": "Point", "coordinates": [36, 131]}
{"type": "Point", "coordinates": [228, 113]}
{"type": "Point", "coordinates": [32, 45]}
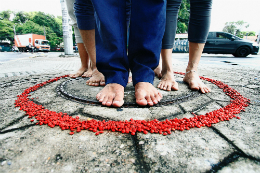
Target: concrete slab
{"type": "Point", "coordinates": [41, 149]}
{"type": "Point", "coordinates": [244, 133]}
{"type": "Point", "coordinates": [26, 147]}
{"type": "Point", "coordinates": [195, 150]}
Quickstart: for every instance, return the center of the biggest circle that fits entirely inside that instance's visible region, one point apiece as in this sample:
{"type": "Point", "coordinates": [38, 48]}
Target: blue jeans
{"type": "Point", "coordinates": [147, 25]}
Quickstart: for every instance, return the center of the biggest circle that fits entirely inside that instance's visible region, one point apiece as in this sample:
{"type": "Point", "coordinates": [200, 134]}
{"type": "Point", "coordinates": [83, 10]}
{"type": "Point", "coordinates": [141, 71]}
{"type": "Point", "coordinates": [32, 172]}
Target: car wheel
{"type": "Point", "coordinates": [242, 51]}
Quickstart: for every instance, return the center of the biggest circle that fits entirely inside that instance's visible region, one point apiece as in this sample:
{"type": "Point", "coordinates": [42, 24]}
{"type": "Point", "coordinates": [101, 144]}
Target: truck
{"type": "Point", "coordinates": [31, 42]}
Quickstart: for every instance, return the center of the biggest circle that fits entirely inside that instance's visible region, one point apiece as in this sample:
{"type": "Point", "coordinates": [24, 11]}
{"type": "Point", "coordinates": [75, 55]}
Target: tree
{"type": "Point", "coordinates": [31, 22]}
{"type": "Point", "coordinates": [251, 33]}
{"type": "Point", "coordinates": [5, 15]}
{"type": "Point", "coordinates": [29, 27]}
{"type": "Point", "coordinates": [21, 17]}
{"type": "Point", "coordinates": [49, 21]}
{"type": "Point", "coordinates": [183, 17]}
{"type": "Point", "coordinates": [235, 28]}
{"type": "Point", "coordinates": [6, 30]}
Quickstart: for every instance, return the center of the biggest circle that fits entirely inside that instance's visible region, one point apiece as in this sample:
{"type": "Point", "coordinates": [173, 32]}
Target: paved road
{"type": "Point", "coordinates": [38, 63]}
{"type": "Point", "coordinates": [250, 60]}
{"type": "Point", "coordinates": [11, 56]}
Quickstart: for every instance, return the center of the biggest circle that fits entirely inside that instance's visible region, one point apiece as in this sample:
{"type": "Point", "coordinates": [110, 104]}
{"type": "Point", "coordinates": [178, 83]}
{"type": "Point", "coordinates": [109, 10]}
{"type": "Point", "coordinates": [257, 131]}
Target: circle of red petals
{"type": "Point", "coordinates": [65, 122]}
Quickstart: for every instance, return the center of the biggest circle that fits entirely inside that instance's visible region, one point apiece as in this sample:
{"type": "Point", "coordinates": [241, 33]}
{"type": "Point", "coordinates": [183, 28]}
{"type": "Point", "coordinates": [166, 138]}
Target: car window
{"type": "Point", "coordinates": [211, 35]}
{"type": "Point", "coordinates": [221, 35]}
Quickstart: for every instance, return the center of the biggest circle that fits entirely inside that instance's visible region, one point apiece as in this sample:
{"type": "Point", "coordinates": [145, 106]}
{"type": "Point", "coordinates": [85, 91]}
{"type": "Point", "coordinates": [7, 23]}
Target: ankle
{"type": "Point", "coordinates": [191, 69]}
{"type": "Point", "coordinates": [167, 70]}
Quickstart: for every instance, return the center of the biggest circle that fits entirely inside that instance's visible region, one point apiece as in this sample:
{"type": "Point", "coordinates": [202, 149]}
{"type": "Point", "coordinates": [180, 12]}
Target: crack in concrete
{"type": "Point", "coordinates": [16, 121]}
{"type": "Point", "coordinates": [19, 128]}
{"type": "Point", "coordinates": [143, 166]}
{"type": "Point", "coordinates": [232, 143]}
{"type": "Point", "coordinates": [225, 162]}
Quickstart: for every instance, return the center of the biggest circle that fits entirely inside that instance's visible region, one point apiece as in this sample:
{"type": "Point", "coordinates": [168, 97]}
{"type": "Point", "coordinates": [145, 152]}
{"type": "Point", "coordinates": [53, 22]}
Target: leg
{"type": "Point", "coordinates": [84, 57]}
{"type": "Point", "coordinates": [191, 76]}
{"type": "Point", "coordinates": [168, 82]}
{"type": "Point", "coordinates": [145, 36]}
{"type": "Point", "coordinates": [88, 37]}
{"type": "Point", "coordinates": [84, 12]}
{"type": "Point", "coordinates": [198, 30]}
{"type": "Point", "coordinates": [112, 58]}
{"type": "Point", "coordinates": [84, 70]}
{"type": "Point", "coordinates": [158, 70]}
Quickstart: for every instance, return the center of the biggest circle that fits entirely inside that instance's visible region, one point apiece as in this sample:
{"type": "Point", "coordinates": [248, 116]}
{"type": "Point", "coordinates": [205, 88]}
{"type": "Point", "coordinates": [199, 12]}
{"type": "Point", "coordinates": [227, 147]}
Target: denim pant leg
{"type": "Point", "coordinates": [111, 34]}
{"type": "Point", "coordinates": [145, 40]}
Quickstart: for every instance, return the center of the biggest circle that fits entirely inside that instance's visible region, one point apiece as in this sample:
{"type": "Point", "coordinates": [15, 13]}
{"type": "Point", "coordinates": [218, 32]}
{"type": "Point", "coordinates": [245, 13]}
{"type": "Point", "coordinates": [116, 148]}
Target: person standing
{"type": "Point", "coordinates": [147, 24]}
{"type": "Point", "coordinates": [199, 23]}
{"type": "Point", "coordinates": [86, 48]}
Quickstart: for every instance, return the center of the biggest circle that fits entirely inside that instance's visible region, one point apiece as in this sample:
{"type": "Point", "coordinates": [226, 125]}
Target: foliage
{"type": "Point", "coordinates": [29, 27]}
{"type": "Point", "coordinates": [32, 22]}
{"type": "Point", "coordinates": [235, 28]}
{"type": "Point", "coordinates": [251, 33]}
{"type": "Point", "coordinates": [183, 17]}
{"type": "Point", "coordinates": [6, 30]}
{"type": "Point", "coordinates": [5, 15]}
{"type": "Point", "coordinates": [21, 17]}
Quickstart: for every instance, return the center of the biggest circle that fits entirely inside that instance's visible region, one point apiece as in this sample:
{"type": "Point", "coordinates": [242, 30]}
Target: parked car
{"type": "Point", "coordinates": [225, 43]}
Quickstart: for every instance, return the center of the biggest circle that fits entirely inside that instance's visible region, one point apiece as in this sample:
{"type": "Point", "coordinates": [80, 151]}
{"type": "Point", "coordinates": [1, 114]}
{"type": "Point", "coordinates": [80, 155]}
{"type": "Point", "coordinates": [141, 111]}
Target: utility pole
{"type": "Point", "coordinates": [44, 32]}
{"type": "Point", "coordinates": [14, 30]}
{"type": "Point", "coordinates": [67, 29]}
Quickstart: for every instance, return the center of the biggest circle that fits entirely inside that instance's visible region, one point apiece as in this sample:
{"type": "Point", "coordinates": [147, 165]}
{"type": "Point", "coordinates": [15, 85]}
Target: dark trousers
{"type": "Point", "coordinates": [147, 25]}
{"type": "Point", "coordinates": [199, 22]}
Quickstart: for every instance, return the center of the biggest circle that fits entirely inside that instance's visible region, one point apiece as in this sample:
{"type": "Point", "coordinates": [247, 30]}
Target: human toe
{"type": "Point", "coordinates": [102, 83]}
{"type": "Point", "coordinates": [175, 86]}
{"type": "Point", "coordinates": [154, 99]}
{"type": "Point", "coordinates": [194, 85]}
{"type": "Point", "coordinates": [100, 97]}
{"type": "Point", "coordinates": [118, 102]}
{"type": "Point", "coordinates": [168, 87]}
{"type": "Point", "coordinates": [149, 100]}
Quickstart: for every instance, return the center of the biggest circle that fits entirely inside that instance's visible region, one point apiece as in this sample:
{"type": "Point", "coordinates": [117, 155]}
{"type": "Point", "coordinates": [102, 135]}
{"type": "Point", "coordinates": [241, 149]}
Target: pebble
{"type": "Point", "coordinates": [3, 163]}
{"type": "Point", "coordinates": [141, 142]}
{"type": "Point", "coordinates": [9, 163]}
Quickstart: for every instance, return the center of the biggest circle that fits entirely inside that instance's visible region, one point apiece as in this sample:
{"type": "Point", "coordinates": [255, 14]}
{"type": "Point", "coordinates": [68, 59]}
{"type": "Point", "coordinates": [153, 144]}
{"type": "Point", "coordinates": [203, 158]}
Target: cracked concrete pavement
{"type": "Point", "coordinates": [228, 146]}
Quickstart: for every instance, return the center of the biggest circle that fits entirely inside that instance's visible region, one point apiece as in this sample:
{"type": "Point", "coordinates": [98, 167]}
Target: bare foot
{"type": "Point", "coordinates": [146, 94]}
{"type": "Point", "coordinates": [111, 95]}
{"type": "Point", "coordinates": [96, 79]}
{"type": "Point", "coordinates": [79, 73]}
{"type": "Point", "coordinates": [158, 71]}
{"type": "Point", "coordinates": [192, 78]}
{"type": "Point", "coordinates": [168, 82]}
{"type": "Point", "coordinates": [88, 73]}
